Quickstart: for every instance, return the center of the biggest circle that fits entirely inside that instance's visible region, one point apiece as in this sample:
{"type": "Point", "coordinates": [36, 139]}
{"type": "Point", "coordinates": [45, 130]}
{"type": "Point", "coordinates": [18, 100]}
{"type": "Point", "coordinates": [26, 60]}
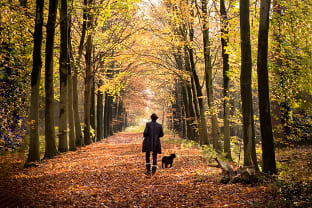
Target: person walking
{"type": "Point", "coordinates": [151, 143]}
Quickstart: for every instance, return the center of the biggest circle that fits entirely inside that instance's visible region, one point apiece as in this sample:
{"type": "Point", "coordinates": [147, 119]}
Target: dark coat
{"type": "Point", "coordinates": [152, 133]}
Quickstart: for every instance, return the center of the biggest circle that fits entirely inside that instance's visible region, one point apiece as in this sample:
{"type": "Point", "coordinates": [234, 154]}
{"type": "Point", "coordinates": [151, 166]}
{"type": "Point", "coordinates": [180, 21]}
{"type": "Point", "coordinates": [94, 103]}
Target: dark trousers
{"type": "Point", "coordinates": [154, 158]}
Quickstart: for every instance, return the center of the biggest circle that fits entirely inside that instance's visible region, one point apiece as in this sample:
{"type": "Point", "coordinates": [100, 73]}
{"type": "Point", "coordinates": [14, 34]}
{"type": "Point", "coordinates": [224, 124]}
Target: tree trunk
{"type": "Point", "coordinates": [226, 80]}
{"type": "Point", "coordinates": [189, 114]}
{"type": "Point", "coordinates": [177, 109]}
{"type": "Point", "coordinates": [92, 110]}
{"type": "Point", "coordinates": [33, 154]}
{"type": "Point", "coordinates": [79, 138]}
{"type": "Point", "coordinates": [23, 3]}
{"type": "Point", "coordinates": [106, 122]}
{"type": "Point", "coordinates": [268, 152]}
{"type": "Point", "coordinates": [72, 137]}
{"type": "Point", "coordinates": [279, 109]}
{"type": "Point", "coordinates": [193, 100]}
{"type": "Point", "coordinates": [50, 143]}
{"type": "Point", "coordinates": [99, 114]}
{"type": "Point", "coordinates": [110, 111]}
{"type": "Point", "coordinates": [120, 115]}
{"type": "Point", "coordinates": [208, 71]}
{"type": "Point", "coordinates": [63, 143]}
{"type": "Point", "coordinates": [87, 92]}
{"type": "Point", "coordinates": [245, 84]}
{"type": "Point", "coordinates": [184, 124]}
{"type": "Point", "coordinates": [88, 77]}
{"type": "Point", "coordinates": [193, 117]}
{"type": "Point", "coordinates": [114, 115]}
{"type": "Point", "coordinates": [203, 136]}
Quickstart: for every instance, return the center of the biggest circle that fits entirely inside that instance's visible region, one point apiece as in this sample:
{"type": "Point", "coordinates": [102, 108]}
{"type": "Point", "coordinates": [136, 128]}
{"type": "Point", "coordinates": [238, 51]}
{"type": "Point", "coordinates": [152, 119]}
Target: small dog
{"type": "Point", "coordinates": [168, 160]}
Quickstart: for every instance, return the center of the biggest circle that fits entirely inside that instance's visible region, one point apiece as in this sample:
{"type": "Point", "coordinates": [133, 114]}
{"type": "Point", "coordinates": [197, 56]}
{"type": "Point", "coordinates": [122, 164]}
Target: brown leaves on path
{"type": "Point", "coordinates": [110, 173]}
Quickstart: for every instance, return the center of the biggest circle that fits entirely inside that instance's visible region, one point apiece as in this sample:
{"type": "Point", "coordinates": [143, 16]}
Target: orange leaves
{"type": "Point", "coordinates": [111, 174]}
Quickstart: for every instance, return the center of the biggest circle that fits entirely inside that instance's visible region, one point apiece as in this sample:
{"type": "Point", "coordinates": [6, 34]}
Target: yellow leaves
{"type": "Point", "coordinates": [116, 84]}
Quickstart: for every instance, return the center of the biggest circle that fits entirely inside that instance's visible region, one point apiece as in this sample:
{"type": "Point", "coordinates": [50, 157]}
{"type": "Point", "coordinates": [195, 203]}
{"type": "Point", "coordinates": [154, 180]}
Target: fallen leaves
{"type": "Point", "coordinates": [111, 174]}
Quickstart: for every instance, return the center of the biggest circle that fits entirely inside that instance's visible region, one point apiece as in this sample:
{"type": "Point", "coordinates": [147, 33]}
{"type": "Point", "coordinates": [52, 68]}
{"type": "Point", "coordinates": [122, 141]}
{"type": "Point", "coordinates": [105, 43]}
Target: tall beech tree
{"type": "Point", "coordinates": [88, 75]}
{"type": "Point", "coordinates": [87, 92]}
{"type": "Point", "coordinates": [33, 154]}
{"type": "Point", "coordinates": [246, 89]}
{"type": "Point", "coordinates": [226, 79]}
{"type": "Point", "coordinates": [72, 135]}
{"type": "Point", "coordinates": [79, 138]}
{"type": "Point", "coordinates": [208, 75]}
{"type": "Point", "coordinates": [197, 90]}
{"type": "Point", "coordinates": [92, 106]}
{"type": "Point", "coordinates": [50, 143]}
{"type": "Point", "coordinates": [268, 153]}
{"type": "Point", "coordinates": [63, 143]}
{"type": "Point", "coordinates": [105, 115]}
{"type": "Point", "coordinates": [187, 101]}
{"type": "Point", "coordinates": [100, 113]}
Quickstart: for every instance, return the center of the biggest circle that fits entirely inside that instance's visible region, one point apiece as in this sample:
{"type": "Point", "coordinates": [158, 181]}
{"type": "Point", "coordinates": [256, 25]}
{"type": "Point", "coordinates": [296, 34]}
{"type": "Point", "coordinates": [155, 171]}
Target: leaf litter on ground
{"type": "Point", "coordinates": [111, 173]}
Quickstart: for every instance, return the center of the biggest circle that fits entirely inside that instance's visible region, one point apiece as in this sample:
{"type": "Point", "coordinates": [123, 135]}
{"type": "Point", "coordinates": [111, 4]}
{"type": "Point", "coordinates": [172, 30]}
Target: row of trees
{"type": "Point", "coordinates": [202, 38]}
{"type": "Point", "coordinates": [111, 116]}
{"type": "Point", "coordinates": [184, 18]}
{"type": "Point", "coordinates": [179, 58]}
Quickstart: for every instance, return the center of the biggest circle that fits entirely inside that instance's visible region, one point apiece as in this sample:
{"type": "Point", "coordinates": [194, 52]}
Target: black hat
{"type": "Point", "coordinates": [154, 117]}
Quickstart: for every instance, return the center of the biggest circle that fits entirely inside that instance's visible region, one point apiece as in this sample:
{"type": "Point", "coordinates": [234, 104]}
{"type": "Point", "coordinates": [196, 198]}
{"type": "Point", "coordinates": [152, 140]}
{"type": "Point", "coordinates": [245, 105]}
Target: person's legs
{"type": "Point", "coordinates": [155, 158]}
{"type": "Point", "coordinates": [147, 158]}
{"type": "Point", "coordinates": [148, 163]}
{"type": "Point", "coordinates": [154, 163]}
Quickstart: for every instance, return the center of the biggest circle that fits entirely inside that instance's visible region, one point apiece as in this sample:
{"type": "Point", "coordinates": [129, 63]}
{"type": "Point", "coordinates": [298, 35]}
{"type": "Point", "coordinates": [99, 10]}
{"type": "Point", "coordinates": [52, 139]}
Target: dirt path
{"type": "Point", "coordinates": [111, 174]}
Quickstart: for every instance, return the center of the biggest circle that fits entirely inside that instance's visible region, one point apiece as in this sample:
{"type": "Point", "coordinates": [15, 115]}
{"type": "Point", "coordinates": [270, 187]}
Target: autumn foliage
{"type": "Point", "coordinates": [111, 174]}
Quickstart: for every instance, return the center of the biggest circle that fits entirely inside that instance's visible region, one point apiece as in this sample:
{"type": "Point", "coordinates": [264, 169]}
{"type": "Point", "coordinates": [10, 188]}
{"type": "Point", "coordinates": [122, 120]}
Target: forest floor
{"type": "Point", "coordinates": [110, 173]}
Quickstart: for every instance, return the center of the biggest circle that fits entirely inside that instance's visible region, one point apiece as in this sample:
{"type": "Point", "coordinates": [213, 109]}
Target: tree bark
{"type": "Point", "coordinates": [208, 71]}
{"type": "Point", "coordinates": [79, 138]}
{"type": "Point", "coordinates": [193, 117]}
{"type": "Point", "coordinates": [120, 115]}
{"type": "Point", "coordinates": [192, 96]}
{"type": "Point", "coordinates": [280, 110]}
{"type": "Point", "coordinates": [72, 136]}
{"type": "Point", "coordinates": [50, 143]}
{"type": "Point", "coordinates": [110, 111]}
{"type": "Point", "coordinates": [184, 123]}
{"type": "Point", "coordinates": [33, 154]}
{"type": "Point", "coordinates": [88, 77]}
{"type": "Point", "coordinates": [268, 152]}
{"type": "Point", "coordinates": [114, 115]}
{"type": "Point", "coordinates": [203, 136]}
{"type": "Point", "coordinates": [99, 114]}
{"type": "Point", "coordinates": [87, 92]}
{"type": "Point", "coordinates": [226, 80]}
{"type": "Point", "coordinates": [92, 110]}
{"type": "Point", "coordinates": [189, 115]}
{"type": "Point", "coordinates": [23, 3]}
{"type": "Point", "coordinates": [245, 84]}
{"type": "Point", "coordinates": [63, 144]}
{"type": "Point", "coordinates": [106, 122]}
